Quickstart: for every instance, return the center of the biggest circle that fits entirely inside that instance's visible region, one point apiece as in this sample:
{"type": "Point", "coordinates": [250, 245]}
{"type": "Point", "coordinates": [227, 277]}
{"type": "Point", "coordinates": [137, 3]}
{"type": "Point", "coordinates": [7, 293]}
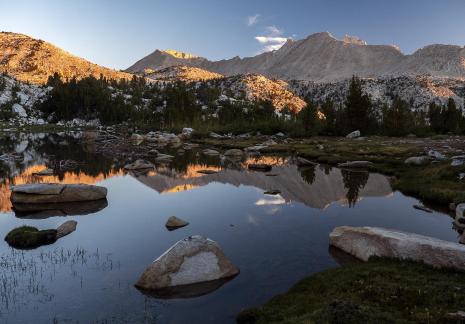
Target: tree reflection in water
{"type": "Point", "coordinates": [354, 181]}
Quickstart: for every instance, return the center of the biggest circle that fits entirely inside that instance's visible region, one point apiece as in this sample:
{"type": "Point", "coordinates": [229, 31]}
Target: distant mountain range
{"type": "Point", "coordinates": [323, 58]}
{"type": "Point", "coordinates": [317, 67]}
{"type": "Point", "coordinates": [34, 60]}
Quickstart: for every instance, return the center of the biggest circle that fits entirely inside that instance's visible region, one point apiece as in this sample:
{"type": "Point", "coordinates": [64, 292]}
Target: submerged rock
{"type": "Point", "coordinates": [364, 242]}
{"type": "Point", "coordinates": [66, 228]}
{"type": "Point", "coordinates": [56, 193]}
{"type": "Point", "coordinates": [28, 237]}
{"type": "Point", "coordinates": [174, 223]}
{"type": "Point", "coordinates": [193, 260]}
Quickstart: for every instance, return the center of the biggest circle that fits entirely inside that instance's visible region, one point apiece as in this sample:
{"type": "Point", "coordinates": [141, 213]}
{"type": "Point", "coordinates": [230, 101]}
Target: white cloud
{"type": "Point", "coordinates": [269, 39]}
{"type": "Point", "coordinates": [272, 40]}
{"type": "Point", "coordinates": [274, 31]}
{"type": "Point", "coordinates": [271, 43]}
{"type": "Point", "coordinates": [252, 20]}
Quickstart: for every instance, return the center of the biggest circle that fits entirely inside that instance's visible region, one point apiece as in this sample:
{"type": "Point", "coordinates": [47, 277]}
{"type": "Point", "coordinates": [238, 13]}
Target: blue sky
{"type": "Point", "coordinates": [117, 33]}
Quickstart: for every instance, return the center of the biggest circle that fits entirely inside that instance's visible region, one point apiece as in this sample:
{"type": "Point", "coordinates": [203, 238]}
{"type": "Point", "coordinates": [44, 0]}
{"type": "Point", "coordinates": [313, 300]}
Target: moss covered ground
{"type": "Point", "coordinates": [378, 291]}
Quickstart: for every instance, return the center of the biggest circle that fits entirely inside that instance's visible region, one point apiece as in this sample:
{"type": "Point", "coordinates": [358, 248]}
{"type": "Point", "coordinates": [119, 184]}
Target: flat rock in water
{"type": "Point", "coordinates": [56, 193]}
{"type": "Point", "coordinates": [193, 260]}
{"type": "Point", "coordinates": [39, 189]}
{"type": "Point", "coordinates": [174, 223]}
{"type": "Point", "coordinates": [260, 167]}
{"type": "Point", "coordinates": [66, 228]}
{"type": "Point", "coordinates": [355, 164]}
{"type": "Point", "coordinates": [364, 242]}
{"type": "Point", "coordinates": [139, 165]}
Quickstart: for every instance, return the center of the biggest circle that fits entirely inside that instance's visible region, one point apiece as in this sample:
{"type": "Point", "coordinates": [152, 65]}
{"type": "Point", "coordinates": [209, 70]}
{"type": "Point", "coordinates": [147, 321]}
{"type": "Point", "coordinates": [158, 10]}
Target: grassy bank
{"type": "Point", "coordinates": [378, 291]}
{"type": "Point", "coordinates": [436, 183]}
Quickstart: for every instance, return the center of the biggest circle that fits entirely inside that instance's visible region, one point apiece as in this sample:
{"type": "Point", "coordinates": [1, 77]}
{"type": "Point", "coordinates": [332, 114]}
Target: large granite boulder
{"type": "Point", "coordinates": [193, 260]}
{"type": "Point", "coordinates": [56, 193]}
{"type": "Point", "coordinates": [364, 242]}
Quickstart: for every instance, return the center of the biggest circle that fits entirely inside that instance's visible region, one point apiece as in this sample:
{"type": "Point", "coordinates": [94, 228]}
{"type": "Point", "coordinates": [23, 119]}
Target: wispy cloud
{"type": "Point", "coordinates": [252, 20]}
{"type": "Point", "coordinates": [274, 31]}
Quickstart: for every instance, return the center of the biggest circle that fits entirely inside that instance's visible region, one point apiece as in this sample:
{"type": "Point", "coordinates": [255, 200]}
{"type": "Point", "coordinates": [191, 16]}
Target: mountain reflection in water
{"type": "Point", "coordinates": [324, 187]}
{"type": "Point", "coordinates": [275, 239]}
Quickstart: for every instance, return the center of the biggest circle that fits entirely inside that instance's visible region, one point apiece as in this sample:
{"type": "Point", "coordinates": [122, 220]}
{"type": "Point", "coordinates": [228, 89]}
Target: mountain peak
{"type": "Point", "coordinates": [34, 60]}
{"type": "Point", "coordinates": [180, 55]}
{"type": "Point", "coordinates": [348, 39]}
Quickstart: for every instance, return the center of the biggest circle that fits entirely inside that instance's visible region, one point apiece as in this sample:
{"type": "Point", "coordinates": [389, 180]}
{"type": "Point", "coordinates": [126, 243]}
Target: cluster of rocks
{"type": "Point", "coordinates": [434, 156]}
{"type": "Point", "coordinates": [22, 98]}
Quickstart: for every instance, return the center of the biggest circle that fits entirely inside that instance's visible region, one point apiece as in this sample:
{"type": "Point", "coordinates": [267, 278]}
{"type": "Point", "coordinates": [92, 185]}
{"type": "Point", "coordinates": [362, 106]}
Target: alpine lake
{"type": "Point", "coordinates": [274, 239]}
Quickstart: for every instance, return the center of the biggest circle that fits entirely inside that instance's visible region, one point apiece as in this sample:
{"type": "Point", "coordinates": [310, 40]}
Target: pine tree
{"type": "Point", "coordinates": [359, 109]}
{"type": "Point", "coordinates": [329, 122]}
{"type": "Point", "coordinates": [398, 118]}
{"type": "Point", "coordinates": [308, 118]}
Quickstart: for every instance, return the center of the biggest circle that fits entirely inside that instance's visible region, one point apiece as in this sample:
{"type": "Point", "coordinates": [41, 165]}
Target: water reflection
{"type": "Point", "coordinates": [315, 187]}
{"type": "Point", "coordinates": [275, 240]}
{"type": "Point", "coordinates": [41, 211]}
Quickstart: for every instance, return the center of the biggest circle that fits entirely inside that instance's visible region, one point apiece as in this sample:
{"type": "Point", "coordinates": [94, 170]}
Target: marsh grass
{"type": "Point", "coordinates": [26, 278]}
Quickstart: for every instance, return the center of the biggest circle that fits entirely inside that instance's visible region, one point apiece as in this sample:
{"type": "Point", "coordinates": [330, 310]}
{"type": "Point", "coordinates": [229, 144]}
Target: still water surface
{"type": "Point", "coordinates": [88, 276]}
